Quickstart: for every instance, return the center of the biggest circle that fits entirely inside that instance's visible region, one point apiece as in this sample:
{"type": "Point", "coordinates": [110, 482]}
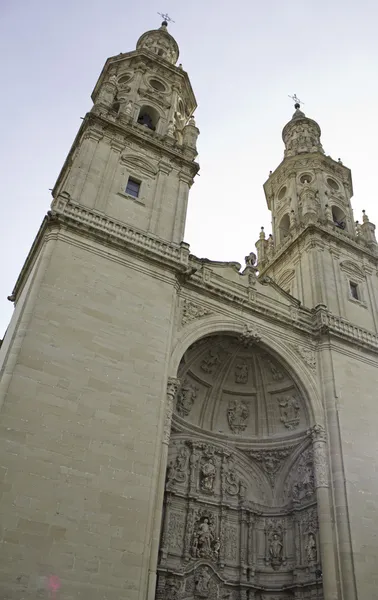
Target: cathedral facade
{"type": "Point", "coordinates": [176, 428]}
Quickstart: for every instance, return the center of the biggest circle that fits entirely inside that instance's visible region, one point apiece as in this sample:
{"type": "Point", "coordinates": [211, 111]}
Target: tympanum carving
{"type": "Point", "coordinates": [186, 396]}
{"type": "Point", "coordinates": [177, 471]}
{"type": "Point", "coordinates": [289, 411]}
{"type": "Point", "coordinates": [237, 415]}
{"type": "Point", "coordinates": [241, 372]}
{"type": "Point", "coordinates": [211, 360]}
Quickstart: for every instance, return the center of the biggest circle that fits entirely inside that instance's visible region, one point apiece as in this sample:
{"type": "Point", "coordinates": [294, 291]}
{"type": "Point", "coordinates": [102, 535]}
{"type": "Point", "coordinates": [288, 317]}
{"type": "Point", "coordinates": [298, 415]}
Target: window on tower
{"type": "Point", "coordinates": [284, 227]}
{"type": "Point", "coordinates": [354, 290]}
{"type": "Point", "coordinates": [148, 117]}
{"type": "Point", "coordinates": [133, 187]}
{"type": "Point", "coordinates": [338, 217]}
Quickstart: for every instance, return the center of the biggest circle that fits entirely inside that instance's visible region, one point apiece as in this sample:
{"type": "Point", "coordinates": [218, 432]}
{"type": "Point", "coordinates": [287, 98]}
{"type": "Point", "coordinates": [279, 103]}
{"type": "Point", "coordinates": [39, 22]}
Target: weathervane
{"type": "Point", "coordinates": [296, 100]}
{"type": "Point", "coordinates": [166, 17]}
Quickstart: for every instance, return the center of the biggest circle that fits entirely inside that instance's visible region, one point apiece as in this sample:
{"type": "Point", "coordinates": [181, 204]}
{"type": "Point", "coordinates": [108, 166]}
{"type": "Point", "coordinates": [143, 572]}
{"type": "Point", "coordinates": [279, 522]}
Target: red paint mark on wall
{"type": "Point", "coordinates": [54, 585]}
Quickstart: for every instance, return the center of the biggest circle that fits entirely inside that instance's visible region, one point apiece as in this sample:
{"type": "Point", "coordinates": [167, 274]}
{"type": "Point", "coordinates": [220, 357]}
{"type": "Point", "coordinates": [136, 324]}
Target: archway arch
{"type": "Point", "coordinates": [240, 498]}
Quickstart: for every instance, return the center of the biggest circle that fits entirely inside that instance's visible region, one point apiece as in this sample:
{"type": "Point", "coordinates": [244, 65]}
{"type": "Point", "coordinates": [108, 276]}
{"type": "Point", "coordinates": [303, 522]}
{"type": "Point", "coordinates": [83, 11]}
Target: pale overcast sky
{"type": "Point", "coordinates": [243, 58]}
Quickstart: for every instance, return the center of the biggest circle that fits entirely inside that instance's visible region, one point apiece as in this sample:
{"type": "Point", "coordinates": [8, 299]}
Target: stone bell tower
{"type": "Point", "coordinates": [317, 252]}
{"type": "Point", "coordinates": [133, 158]}
{"type": "Point", "coordinates": [83, 365]}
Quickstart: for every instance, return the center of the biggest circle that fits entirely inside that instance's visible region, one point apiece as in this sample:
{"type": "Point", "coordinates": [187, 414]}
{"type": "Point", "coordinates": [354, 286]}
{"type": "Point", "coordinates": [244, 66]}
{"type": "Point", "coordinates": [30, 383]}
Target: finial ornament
{"type": "Point", "coordinates": [166, 18]}
{"type": "Point", "coordinates": [297, 102]}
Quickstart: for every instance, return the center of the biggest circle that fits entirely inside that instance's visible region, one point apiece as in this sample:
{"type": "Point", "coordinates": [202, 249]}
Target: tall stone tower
{"type": "Point", "coordinates": [177, 428]}
{"type": "Point", "coordinates": [317, 252]}
{"type": "Point", "coordinates": [84, 360]}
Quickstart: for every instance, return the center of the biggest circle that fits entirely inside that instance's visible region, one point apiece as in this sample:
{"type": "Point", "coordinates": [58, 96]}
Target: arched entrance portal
{"type": "Point", "coordinates": [240, 512]}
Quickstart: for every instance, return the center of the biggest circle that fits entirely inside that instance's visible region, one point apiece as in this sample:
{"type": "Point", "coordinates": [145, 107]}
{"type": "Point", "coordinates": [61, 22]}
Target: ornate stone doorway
{"type": "Point", "coordinates": [240, 510]}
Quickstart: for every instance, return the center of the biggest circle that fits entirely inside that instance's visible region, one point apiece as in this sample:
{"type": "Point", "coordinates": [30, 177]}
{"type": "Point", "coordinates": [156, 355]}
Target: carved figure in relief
{"type": "Point", "coordinates": [311, 550]}
{"type": "Point", "coordinates": [202, 582]}
{"type": "Point", "coordinates": [290, 411]}
{"type": "Point", "coordinates": [275, 551]}
{"type": "Point", "coordinates": [241, 372]}
{"type": "Point", "coordinates": [230, 484]}
{"type": "Point", "coordinates": [276, 373]}
{"type": "Point", "coordinates": [237, 415]}
{"type": "Point", "coordinates": [177, 471]}
{"type": "Point", "coordinates": [209, 363]}
{"type": "Point", "coordinates": [207, 476]}
{"type": "Point", "coordinates": [304, 487]}
{"type": "Point", "coordinates": [204, 543]}
{"type": "Point", "coordinates": [185, 398]}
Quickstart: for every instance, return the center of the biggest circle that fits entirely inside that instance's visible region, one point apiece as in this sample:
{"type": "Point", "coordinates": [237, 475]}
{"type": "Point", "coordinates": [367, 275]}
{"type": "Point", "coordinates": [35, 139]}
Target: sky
{"type": "Point", "coordinates": [243, 58]}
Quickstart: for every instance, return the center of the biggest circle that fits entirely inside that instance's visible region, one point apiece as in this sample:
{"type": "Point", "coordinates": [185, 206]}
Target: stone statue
{"type": "Point", "coordinates": [241, 372]}
{"type": "Point", "coordinates": [311, 551]}
{"type": "Point", "coordinates": [208, 472]}
{"type": "Point", "coordinates": [275, 551]}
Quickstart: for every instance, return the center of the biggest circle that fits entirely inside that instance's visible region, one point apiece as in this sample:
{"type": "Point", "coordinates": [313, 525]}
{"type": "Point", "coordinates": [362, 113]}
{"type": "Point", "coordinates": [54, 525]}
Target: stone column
{"type": "Point", "coordinates": [82, 164]}
{"type": "Point", "coordinates": [185, 182]}
{"type": "Point", "coordinates": [172, 388]}
{"type": "Point", "coordinates": [326, 530]}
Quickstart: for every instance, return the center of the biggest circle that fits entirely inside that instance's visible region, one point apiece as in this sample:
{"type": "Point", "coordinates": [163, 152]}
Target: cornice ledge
{"type": "Point", "coordinates": [120, 234]}
{"type": "Point", "coordinates": [317, 228]}
{"type": "Point", "coordinates": [327, 323]}
{"type": "Point", "coordinates": [251, 304]}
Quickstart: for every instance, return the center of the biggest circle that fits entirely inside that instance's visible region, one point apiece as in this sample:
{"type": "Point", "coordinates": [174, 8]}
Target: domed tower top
{"type": "Point", "coordinates": [301, 135]}
{"type": "Point", "coordinates": [160, 42]}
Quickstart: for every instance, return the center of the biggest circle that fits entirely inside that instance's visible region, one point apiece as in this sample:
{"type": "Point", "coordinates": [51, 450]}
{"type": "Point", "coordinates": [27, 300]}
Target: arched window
{"type": "Point", "coordinates": [338, 217]}
{"type": "Point", "coordinates": [284, 228]}
{"type": "Point", "coordinates": [148, 117]}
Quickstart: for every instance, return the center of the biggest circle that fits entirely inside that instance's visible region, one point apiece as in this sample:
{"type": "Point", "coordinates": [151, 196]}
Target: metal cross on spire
{"type": "Point", "coordinates": [166, 17]}
{"type": "Point", "coordinates": [296, 100]}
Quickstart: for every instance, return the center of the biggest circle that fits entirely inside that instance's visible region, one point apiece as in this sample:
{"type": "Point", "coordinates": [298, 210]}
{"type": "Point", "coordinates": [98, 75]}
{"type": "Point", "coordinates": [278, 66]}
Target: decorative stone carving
{"type": "Point", "coordinates": [177, 472]}
{"type": "Point", "coordinates": [307, 355]}
{"type": "Point", "coordinates": [241, 372]}
{"type": "Point", "coordinates": [192, 311]}
{"type": "Point", "coordinates": [173, 588]}
{"type": "Point", "coordinates": [185, 398]}
{"type": "Point", "coordinates": [204, 542]}
{"type": "Point", "coordinates": [231, 543]}
{"type": "Point", "coordinates": [237, 415]}
{"type": "Point", "coordinates": [175, 534]}
{"type": "Point", "coordinates": [172, 387]}
{"type": "Point", "coordinates": [304, 486]}
{"type": "Point", "coordinates": [230, 482]}
{"type": "Point", "coordinates": [271, 461]}
{"type": "Point", "coordinates": [275, 547]}
{"type": "Point", "coordinates": [311, 549]}
{"type": "Point", "coordinates": [202, 580]}
{"type": "Point", "coordinates": [210, 361]}
{"type": "Point", "coordinates": [277, 375]}
{"type": "Point", "coordinates": [320, 466]}
{"type": "Point", "coordinates": [250, 336]}
{"type": "Point", "coordinates": [289, 411]}
{"type": "Point", "coordinates": [207, 475]}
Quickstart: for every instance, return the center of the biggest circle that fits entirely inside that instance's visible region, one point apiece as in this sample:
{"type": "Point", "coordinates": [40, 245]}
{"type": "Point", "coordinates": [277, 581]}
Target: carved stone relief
{"type": "Point", "coordinates": [271, 461]}
{"type": "Point", "coordinates": [274, 532]}
{"type": "Point", "coordinates": [205, 544]}
{"type": "Point", "coordinates": [176, 531]}
{"type": "Point", "coordinates": [276, 373]}
{"type": "Point", "coordinates": [304, 485]}
{"type": "Point", "coordinates": [192, 311]}
{"type": "Point", "coordinates": [237, 415]}
{"type": "Point", "coordinates": [241, 372]}
{"type": "Point", "coordinates": [208, 473]}
{"type": "Point", "coordinates": [211, 360]}
{"type": "Point", "coordinates": [307, 355]}
{"type": "Point", "coordinates": [251, 335]}
{"type": "Point", "coordinates": [177, 471]}
{"type": "Point", "coordinates": [186, 396]}
{"type": "Point", "coordinates": [289, 411]}
{"type": "Point", "coordinates": [231, 543]}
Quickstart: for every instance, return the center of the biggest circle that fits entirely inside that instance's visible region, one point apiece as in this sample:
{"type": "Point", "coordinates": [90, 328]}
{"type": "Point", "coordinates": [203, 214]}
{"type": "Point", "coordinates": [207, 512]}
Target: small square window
{"type": "Point", "coordinates": [133, 187]}
{"type": "Point", "coordinates": [354, 290]}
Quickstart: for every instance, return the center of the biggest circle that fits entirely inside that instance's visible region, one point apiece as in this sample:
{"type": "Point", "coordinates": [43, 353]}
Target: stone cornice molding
{"type": "Point", "coordinates": [326, 236]}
